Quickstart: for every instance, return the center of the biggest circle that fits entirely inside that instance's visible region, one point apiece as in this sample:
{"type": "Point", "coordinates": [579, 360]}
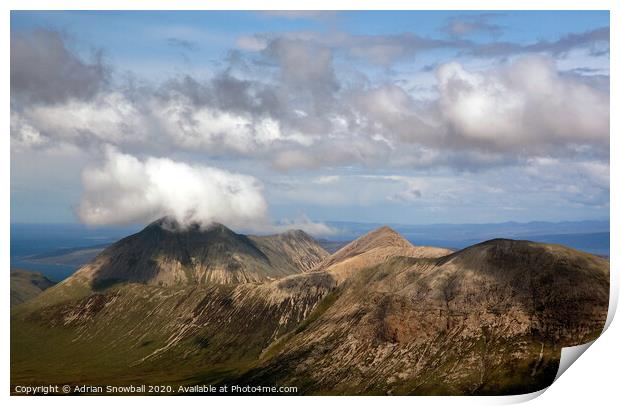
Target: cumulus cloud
{"type": "Point", "coordinates": [108, 117]}
{"type": "Point", "coordinates": [209, 127]}
{"type": "Point", "coordinates": [24, 135]}
{"type": "Point", "coordinates": [45, 70]}
{"type": "Point", "coordinates": [304, 66]}
{"type": "Point", "coordinates": [293, 110]}
{"type": "Point", "coordinates": [526, 106]}
{"type": "Point", "coordinates": [126, 189]}
{"type": "Point", "coordinates": [333, 104]}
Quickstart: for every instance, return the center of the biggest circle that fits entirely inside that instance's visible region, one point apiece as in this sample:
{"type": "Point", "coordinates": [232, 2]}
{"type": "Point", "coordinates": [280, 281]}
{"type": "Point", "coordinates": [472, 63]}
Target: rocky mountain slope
{"type": "Point", "coordinates": [372, 249]}
{"type": "Point", "coordinates": [294, 250]}
{"type": "Point", "coordinates": [373, 318]}
{"type": "Point", "coordinates": [488, 319]}
{"type": "Point", "coordinates": [164, 254]}
{"type": "Point", "coordinates": [25, 285]}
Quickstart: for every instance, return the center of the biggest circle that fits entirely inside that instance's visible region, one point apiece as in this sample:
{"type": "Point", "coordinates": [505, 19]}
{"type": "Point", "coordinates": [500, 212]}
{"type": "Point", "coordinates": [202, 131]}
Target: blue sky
{"type": "Point", "coordinates": [138, 40]}
{"type": "Point", "coordinates": [258, 118]}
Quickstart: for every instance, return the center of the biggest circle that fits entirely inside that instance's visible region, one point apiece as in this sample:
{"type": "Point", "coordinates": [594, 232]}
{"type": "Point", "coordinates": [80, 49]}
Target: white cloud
{"type": "Point", "coordinates": [295, 111]}
{"type": "Point", "coordinates": [327, 179]}
{"type": "Point", "coordinates": [251, 43]}
{"type": "Point", "coordinates": [306, 101]}
{"type": "Point", "coordinates": [208, 128]}
{"type": "Point", "coordinates": [109, 117]}
{"type": "Point", "coordinates": [527, 106]}
{"type": "Point", "coordinates": [24, 135]}
{"type": "Point", "coordinates": [127, 190]}
{"type": "Point", "coordinates": [303, 223]}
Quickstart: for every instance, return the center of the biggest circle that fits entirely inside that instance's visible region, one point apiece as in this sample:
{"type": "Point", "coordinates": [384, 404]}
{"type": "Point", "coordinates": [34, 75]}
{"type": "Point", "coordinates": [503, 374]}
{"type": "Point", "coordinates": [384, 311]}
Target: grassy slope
{"type": "Point", "coordinates": [26, 285]}
{"type": "Point", "coordinates": [144, 334]}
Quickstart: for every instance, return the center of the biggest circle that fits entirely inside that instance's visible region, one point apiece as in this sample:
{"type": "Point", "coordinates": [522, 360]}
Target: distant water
{"type": "Point", "coordinates": [593, 243]}
{"type": "Point", "coordinates": [32, 239]}
{"type": "Point", "coordinates": [55, 273]}
{"type": "Point", "coordinates": [589, 236]}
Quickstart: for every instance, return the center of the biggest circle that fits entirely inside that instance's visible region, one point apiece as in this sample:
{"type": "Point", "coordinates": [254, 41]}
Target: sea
{"type": "Point", "coordinates": [34, 239]}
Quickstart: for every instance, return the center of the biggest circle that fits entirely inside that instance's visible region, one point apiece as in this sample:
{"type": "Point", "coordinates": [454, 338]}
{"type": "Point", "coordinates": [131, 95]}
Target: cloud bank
{"type": "Point", "coordinates": [304, 102]}
{"type": "Point", "coordinates": [526, 106]}
{"type": "Point", "coordinates": [45, 70]}
{"type": "Point", "coordinates": [305, 116]}
{"type": "Point", "coordinates": [126, 190]}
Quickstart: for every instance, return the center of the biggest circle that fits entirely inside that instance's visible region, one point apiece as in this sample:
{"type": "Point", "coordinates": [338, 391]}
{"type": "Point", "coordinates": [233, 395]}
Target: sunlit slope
{"type": "Point", "coordinates": [488, 319]}
{"type": "Point", "coordinates": [372, 318]}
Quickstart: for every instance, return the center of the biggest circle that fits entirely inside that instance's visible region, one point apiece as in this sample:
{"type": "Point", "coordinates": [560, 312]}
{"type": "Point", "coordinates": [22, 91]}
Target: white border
{"type": "Point", "coordinates": [593, 380]}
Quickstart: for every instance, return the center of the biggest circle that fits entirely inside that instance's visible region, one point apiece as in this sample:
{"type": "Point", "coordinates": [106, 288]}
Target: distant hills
{"type": "Point", "coordinates": [26, 285]}
{"type": "Point", "coordinates": [381, 315]}
{"type": "Point", "coordinates": [464, 231]}
{"type": "Point", "coordinates": [590, 236]}
{"type": "Point", "coordinates": [75, 256]}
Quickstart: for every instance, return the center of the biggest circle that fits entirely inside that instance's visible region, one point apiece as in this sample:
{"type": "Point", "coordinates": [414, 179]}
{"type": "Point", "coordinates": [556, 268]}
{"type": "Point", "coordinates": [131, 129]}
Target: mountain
{"type": "Point", "coordinates": [25, 285]}
{"type": "Point", "coordinates": [293, 249]}
{"type": "Point", "coordinates": [57, 250]}
{"type": "Point", "coordinates": [166, 254]}
{"type": "Point", "coordinates": [490, 319]}
{"type": "Point", "coordinates": [373, 318]}
{"type": "Point", "coordinates": [374, 248]}
{"type": "Point", "coordinates": [590, 236]}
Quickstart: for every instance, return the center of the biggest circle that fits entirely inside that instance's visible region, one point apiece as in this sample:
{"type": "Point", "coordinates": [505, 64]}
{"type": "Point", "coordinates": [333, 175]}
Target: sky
{"type": "Point", "coordinates": [271, 120]}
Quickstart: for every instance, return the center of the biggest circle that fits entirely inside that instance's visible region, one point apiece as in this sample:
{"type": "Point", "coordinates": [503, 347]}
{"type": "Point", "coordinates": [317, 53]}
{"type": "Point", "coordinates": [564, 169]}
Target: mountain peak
{"type": "Point", "coordinates": [171, 224]}
{"type": "Point", "coordinates": [168, 252]}
{"type": "Point", "coordinates": [382, 232]}
{"type": "Point", "coordinates": [296, 234]}
{"type": "Point", "coordinates": [382, 238]}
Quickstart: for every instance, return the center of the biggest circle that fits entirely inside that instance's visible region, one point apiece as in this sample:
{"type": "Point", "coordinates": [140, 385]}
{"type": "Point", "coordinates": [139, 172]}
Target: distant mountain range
{"type": "Point", "coordinates": [590, 236]}
{"type": "Point", "coordinates": [58, 250]}
{"type": "Point", "coordinates": [206, 305]}
{"type": "Point", "coordinates": [464, 231]}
